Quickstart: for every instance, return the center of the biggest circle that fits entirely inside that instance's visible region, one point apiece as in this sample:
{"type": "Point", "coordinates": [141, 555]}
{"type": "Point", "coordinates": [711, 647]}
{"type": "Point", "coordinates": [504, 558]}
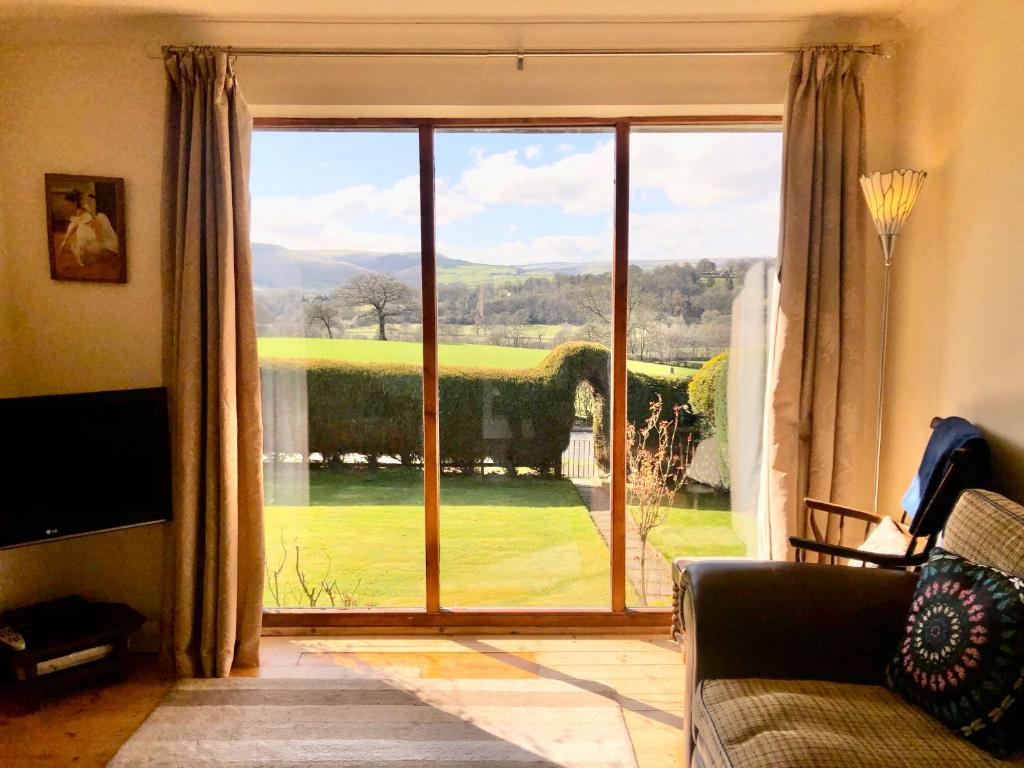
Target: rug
{"type": "Point", "coordinates": [367, 722]}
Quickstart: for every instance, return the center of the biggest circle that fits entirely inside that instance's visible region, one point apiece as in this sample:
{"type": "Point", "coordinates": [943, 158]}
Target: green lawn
{"type": "Point", "coordinates": [504, 542]}
{"type": "Point", "coordinates": [698, 532]}
{"type": "Point", "coordinates": [365, 350]}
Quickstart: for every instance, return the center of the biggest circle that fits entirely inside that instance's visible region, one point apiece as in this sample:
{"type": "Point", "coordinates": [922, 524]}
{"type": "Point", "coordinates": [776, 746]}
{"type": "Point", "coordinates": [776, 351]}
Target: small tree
{"type": "Point", "coordinates": [656, 467]}
{"type": "Point", "coordinates": [387, 297]}
{"type": "Point", "coordinates": [322, 312]}
{"type": "Point", "coordinates": [312, 591]}
{"type": "Point", "coordinates": [274, 577]}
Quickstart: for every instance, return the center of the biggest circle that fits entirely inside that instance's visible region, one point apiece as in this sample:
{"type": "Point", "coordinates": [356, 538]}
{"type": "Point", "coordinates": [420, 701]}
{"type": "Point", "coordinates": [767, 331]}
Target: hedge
{"type": "Point", "coordinates": [515, 418]}
{"type": "Point", "coordinates": [708, 393]}
{"type": "Point", "coordinates": [704, 384]}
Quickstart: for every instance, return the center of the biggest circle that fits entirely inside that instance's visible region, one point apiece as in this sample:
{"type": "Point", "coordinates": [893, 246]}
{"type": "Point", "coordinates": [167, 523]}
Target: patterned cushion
{"type": "Point", "coordinates": [985, 527]}
{"type": "Point", "coordinates": [780, 723]}
{"type": "Point", "coordinates": [962, 655]}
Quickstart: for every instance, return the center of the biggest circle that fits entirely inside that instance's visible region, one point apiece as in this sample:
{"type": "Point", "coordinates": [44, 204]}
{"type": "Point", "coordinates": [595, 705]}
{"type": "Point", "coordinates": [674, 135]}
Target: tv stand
{"type": "Point", "coordinates": [68, 641]}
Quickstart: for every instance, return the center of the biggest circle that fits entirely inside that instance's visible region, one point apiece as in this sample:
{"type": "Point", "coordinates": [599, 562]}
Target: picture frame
{"type": "Point", "coordinates": [85, 228]}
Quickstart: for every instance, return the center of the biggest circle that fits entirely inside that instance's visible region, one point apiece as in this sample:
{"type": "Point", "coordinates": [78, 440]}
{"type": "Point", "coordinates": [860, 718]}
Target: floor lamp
{"type": "Point", "coordinates": [891, 196]}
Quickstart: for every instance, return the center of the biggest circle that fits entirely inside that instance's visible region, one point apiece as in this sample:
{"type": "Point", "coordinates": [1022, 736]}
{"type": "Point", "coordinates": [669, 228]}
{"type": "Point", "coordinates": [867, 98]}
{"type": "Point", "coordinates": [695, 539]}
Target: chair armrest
{"type": "Point", "coordinates": [838, 509]}
{"type": "Point", "coordinates": [792, 620]}
{"type": "Point", "coordinates": [852, 553]}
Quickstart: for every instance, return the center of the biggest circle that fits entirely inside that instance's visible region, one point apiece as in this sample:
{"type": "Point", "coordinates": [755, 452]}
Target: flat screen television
{"type": "Point", "coordinates": [83, 463]}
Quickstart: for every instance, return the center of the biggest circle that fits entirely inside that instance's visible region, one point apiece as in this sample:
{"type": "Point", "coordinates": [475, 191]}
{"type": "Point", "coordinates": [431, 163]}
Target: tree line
{"type": "Point", "coordinates": [675, 311]}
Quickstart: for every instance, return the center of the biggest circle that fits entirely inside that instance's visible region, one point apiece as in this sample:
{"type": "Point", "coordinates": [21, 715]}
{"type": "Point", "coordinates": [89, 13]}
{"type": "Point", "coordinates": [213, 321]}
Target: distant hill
{"type": "Point", "coordinates": [276, 267]}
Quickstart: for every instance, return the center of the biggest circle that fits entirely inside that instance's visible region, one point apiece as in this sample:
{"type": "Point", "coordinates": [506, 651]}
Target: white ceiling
{"type": "Point", "coordinates": [477, 10]}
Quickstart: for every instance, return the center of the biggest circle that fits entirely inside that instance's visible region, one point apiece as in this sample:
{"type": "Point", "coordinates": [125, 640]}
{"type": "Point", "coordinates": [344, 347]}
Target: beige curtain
{"type": "Point", "coordinates": [816, 424]}
{"type": "Point", "coordinates": [216, 583]}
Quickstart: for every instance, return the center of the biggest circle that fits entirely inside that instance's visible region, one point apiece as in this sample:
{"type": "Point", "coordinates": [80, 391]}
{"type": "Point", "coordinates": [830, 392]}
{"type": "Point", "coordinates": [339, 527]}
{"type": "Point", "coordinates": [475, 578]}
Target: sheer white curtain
{"type": "Point", "coordinates": [748, 375]}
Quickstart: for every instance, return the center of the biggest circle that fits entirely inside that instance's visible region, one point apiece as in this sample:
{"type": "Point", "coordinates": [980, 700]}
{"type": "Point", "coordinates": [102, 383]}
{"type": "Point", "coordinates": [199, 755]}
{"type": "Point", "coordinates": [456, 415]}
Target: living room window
{"type": "Point", "coordinates": [527, 251]}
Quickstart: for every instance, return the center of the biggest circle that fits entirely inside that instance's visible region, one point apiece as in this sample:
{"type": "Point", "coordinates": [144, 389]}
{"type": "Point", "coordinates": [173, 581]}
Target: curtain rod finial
{"type": "Point", "coordinates": [887, 50]}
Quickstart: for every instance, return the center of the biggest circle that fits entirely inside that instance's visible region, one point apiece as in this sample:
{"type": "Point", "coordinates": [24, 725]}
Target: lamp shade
{"type": "Point", "coordinates": [891, 196]}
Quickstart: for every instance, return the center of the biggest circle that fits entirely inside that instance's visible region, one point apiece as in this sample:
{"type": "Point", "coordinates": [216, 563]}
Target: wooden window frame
{"type": "Point", "coordinates": [433, 617]}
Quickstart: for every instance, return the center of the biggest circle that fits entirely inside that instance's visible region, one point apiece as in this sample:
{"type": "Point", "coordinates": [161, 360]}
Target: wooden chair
{"type": "Point", "coordinates": [966, 467]}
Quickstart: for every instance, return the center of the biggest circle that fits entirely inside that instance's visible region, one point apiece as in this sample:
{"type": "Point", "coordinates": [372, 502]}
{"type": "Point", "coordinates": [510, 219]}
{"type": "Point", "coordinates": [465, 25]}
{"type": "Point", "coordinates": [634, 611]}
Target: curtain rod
{"type": "Point", "coordinates": [522, 53]}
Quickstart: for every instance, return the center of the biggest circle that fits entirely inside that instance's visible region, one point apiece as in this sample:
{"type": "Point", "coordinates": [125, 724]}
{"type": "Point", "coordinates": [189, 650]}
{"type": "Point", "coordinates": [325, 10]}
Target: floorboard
{"type": "Point", "coordinates": [645, 672]}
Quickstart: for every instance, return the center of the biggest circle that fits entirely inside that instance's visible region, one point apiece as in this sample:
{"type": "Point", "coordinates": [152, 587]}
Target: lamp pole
{"type": "Point", "coordinates": [888, 248]}
{"type": "Point", "coordinates": [890, 196]}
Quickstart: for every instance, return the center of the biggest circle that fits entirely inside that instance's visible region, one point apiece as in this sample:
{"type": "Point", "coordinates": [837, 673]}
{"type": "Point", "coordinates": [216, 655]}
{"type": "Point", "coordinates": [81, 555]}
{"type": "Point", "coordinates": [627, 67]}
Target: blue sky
{"type": "Point", "coordinates": [518, 198]}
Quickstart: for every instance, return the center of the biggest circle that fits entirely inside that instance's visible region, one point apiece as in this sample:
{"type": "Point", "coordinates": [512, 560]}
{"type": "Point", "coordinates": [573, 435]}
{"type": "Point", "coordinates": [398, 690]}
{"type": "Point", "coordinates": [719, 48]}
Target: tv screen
{"type": "Point", "coordinates": [74, 464]}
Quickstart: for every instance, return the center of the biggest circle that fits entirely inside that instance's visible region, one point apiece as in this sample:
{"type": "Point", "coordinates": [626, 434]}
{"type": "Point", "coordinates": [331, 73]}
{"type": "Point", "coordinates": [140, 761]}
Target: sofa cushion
{"type": "Point", "coordinates": [962, 653]}
{"type": "Point", "coordinates": [747, 723]}
{"type": "Point", "coordinates": [985, 527]}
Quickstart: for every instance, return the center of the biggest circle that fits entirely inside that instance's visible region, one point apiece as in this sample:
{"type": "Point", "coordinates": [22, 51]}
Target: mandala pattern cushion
{"type": "Point", "coordinates": [962, 655]}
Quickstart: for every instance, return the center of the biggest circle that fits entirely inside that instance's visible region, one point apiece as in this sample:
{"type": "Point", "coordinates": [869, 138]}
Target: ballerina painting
{"type": "Point", "coordinates": [85, 218]}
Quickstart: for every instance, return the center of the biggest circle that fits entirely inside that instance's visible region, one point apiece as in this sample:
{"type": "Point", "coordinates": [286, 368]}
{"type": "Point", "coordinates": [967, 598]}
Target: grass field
{"type": "Point", "coordinates": [703, 532]}
{"type": "Point", "coordinates": [504, 542]}
{"type": "Point", "coordinates": [478, 274]}
{"type": "Point", "coordinates": [364, 350]}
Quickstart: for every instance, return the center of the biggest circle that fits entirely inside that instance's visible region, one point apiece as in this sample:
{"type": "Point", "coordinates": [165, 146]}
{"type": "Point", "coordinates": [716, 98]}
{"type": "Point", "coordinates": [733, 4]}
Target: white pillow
{"type": "Point", "coordinates": [886, 539]}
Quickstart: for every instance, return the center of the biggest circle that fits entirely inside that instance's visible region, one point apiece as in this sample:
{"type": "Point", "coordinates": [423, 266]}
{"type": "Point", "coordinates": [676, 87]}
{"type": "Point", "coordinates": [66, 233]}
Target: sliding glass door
{"type": "Point", "coordinates": [507, 365]}
{"type": "Point", "coordinates": [524, 297]}
{"type": "Point", "coordinates": [337, 274]}
{"type": "Point", "coordinates": [704, 216]}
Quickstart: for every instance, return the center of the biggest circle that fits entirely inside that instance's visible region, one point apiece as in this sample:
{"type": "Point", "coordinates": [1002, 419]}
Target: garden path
{"type": "Point", "coordinates": [659, 572]}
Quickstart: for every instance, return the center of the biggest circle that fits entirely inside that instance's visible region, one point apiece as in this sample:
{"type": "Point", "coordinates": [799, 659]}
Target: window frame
{"type": "Point", "coordinates": [434, 617]}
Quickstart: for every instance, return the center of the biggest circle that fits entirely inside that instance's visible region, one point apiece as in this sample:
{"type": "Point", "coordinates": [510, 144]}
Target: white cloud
{"type": "Point", "coordinates": [579, 184]}
{"type": "Point", "coordinates": [564, 148]}
{"type": "Point", "coordinates": [531, 152]}
{"type": "Point", "coordinates": [725, 232]}
{"type": "Point", "coordinates": [706, 169]}
{"type": "Point", "coordinates": [337, 219]}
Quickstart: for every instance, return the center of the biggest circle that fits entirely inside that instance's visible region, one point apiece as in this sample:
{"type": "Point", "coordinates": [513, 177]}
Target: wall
{"type": "Point", "coordinates": [956, 345]}
{"type": "Point", "coordinates": [81, 109]}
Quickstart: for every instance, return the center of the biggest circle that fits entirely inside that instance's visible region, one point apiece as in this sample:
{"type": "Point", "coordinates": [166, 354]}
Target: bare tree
{"type": "Point", "coordinates": [639, 324]}
{"type": "Point", "coordinates": [506, 335]}
{"type": "Point", "coordinates": [321, 311]}
{"type": "Point", "coordinates": [274, 577]}
{"type": "Point", "coordinates": [655, 468]}
{"type": "Point", "coordinates": [387, 297]}
{"type": "Point", "coordinates": [596, 302]}
{"type": "Point", "coordinates": [311, 591]}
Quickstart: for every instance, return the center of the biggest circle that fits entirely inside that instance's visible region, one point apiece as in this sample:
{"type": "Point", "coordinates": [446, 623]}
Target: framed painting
{"type": "Point", "coordinates": [85, 228]}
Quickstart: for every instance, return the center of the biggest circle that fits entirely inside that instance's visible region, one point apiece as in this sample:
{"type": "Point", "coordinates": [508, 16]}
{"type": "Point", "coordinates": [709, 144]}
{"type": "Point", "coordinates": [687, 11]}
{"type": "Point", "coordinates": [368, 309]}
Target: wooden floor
{"type": "Point", "coordinates": [86, 728]}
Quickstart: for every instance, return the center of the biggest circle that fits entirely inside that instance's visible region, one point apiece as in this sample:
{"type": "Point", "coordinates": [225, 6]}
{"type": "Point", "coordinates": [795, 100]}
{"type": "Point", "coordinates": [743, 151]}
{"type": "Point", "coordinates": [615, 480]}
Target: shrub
{"type": "Point", "coordinates": [703, 385]}
{"type": "Point", "coordinates": [708, 396]}
{"type": "Point", "coordinates": [517, 418]}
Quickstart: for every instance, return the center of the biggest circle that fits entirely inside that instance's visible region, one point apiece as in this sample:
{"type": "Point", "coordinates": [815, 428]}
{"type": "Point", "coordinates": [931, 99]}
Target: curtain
{"type": "Point", "coordinates": [216, 581]}
{"type": "Point", "coordinates": [816, 423]}
{"type": "Point", "coordinates": [746, 383]}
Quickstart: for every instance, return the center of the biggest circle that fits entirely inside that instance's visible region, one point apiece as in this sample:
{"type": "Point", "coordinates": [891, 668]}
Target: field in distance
{"type": "Point", "coordinates": [364, 351]}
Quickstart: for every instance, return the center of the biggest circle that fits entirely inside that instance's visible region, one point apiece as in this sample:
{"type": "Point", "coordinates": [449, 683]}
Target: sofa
{"type": "Point", "coordinates": [785, 662]}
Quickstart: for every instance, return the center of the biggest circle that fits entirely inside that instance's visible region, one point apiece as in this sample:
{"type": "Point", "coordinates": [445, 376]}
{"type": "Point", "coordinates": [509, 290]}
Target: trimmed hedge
{"type": "Point", "coordinates": [708, 393]}
{"type": "Point", "coordinates": [515, 418]}
{"type": "Point", "coordinates": [704, 384]}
